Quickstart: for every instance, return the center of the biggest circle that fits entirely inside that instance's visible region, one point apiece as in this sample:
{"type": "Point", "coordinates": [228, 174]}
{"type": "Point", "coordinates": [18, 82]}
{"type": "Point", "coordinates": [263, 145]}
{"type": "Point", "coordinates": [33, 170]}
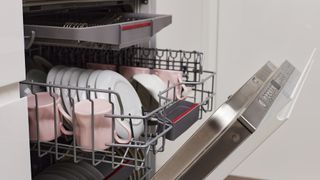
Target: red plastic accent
{"type": "Point", "coordinates": [135, 26]}
{"type": "Point", "coordinates": [178, 118]}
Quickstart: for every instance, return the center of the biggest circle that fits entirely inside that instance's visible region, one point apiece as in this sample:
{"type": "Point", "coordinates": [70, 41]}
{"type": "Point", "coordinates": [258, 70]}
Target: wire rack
{"type": "Point", "coordinates": [189, 62]}
{"type": "Point", "coordinates": [202, 92]}
{"type": "Point", "coordinates": [115, 25]}
{"type": "Point", "coordinates": [63, 149]}
{"type": "Point", "coordinates": [136, 153]}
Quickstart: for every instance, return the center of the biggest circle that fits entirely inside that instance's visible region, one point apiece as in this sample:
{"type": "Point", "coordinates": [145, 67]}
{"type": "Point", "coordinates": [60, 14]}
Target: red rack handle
{"type": "Point", "coordinates": [135, 26]}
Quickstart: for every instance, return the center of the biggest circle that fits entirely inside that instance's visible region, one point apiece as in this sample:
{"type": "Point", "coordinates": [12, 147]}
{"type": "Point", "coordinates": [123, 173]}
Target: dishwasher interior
{"type": "Point", "coordinates": [100, 36]}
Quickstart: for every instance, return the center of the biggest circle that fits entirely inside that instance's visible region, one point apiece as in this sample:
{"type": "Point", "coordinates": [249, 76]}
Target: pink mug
{"type": "Point", "coordinates": [102, 125]}
{"type": "Point", "coordinates": [172, 78]}
{"type": "Point", "coordinates": [45, 116]}
{"type": "Point", "coordinates": [98, 66]}
{"type": "Point", "coordinates": [128, 72]}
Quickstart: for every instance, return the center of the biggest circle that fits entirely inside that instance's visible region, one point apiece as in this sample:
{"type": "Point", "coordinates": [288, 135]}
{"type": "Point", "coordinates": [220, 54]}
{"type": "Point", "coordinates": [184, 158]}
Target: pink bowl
{"type": "Point", "coordinates": [97, 66]}
{"type": "Point", "coordinates": [128, 72]}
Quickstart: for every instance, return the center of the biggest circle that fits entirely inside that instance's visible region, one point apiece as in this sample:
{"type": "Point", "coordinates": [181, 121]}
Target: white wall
{"type": "Point", "coordinates": [193, 28]}
{"type": "Point", "coordinates": [252, 32]}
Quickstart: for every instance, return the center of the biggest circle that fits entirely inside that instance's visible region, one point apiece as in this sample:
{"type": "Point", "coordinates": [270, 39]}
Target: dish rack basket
{"type": "Point", "coordinates": [114, 25]}
{"type": "Point", "coordinates": [136, 153]}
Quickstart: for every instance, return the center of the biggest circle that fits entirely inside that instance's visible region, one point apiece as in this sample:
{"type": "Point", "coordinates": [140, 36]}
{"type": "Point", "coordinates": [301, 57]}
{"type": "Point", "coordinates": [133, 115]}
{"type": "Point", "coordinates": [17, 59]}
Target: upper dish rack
{"type": "Point", "coordinates": [117, 29]}
{"type": "Point", "coordinates": [189, 62]}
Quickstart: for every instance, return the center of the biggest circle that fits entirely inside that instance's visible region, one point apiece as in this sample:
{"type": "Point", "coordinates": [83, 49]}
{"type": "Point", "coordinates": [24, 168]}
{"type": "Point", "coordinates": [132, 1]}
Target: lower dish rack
{"type": "Point", "coordinates": [158, 124]}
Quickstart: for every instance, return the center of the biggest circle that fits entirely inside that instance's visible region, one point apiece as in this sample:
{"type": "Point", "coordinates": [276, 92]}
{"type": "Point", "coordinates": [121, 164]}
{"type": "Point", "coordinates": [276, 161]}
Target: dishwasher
{"type": "Point", "coordinates": [105, 36]}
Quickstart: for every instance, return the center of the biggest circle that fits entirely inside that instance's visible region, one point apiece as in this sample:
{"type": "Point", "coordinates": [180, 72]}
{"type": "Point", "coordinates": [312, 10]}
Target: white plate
{"type": "Point", "coordinates": [65, 93]}
{"type": "Point", "coordinates": [92, 82]}
{"type": "Point", "coordinates": [36, 76]}
{"type": "Point", "coordinates": [58, 79]}
{"type": "Point", "coordinates": [82, 82]}
{"type": "Point", "coordinates": [43, 64]}
{"type": "Point", "coordinates": [52, 74]}
{"type": "Point", "coordinates": [152, 83]}
{"type": "Point", "coordinates": [74, 83]}
{"type": "Point", "coordinates": [129, 97]}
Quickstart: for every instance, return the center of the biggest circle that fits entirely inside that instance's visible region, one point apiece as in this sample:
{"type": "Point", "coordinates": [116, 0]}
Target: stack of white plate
{"type": "Point", "coordinates": [98, 79]}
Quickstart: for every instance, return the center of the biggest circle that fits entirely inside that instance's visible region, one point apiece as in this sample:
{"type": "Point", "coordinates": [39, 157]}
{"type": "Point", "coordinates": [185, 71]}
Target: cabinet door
{"type": "Point", "coordinates": [12, 68]}
{"type": "Point", "coordinates": [14, 140]}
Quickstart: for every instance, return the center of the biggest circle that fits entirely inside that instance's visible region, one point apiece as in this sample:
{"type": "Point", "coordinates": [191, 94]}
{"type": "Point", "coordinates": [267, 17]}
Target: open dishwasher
{"type": "Point", "coordinates": [77, 34]}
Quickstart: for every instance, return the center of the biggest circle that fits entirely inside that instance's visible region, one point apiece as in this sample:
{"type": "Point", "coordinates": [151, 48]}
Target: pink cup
{"type": "Point", "coordinates": [102, 125]}
{"type": "Point", "coordinates": [128, 72]}
{"type": "Point", "coordinates": [171, 78]}
{"type": "Point", "coordinates": [45, 116]}
{"type": "Point", "coordinates": [98, 66]}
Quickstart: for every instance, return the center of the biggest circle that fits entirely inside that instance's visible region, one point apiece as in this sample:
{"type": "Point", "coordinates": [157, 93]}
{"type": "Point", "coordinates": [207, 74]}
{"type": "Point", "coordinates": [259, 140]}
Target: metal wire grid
{"type": "Point", "coordinates": [147, 142]}
{"type": "Point", "coordinates": [61, 150]}
{"type": "Point", "coordinates": [80, 18]}
{"type": "Point", "coordinates": [202, 94]}
{"type": "Point", "coordinates": [189, 62]}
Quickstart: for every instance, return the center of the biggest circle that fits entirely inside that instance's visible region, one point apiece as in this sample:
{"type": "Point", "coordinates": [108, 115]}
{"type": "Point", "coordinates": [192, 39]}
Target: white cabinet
{"type": "Point", "coordinates": [11, 43]}
{"type": "Point", "coordinates": [14, 140]}
{"type": "Point", "coordinates": [9, 93]}
{"type": "Point", "coordinates": [14, 134]}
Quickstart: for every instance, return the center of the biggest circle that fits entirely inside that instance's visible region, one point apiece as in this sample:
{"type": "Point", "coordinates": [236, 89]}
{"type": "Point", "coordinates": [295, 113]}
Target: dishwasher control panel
{"type": "Point", "coordinates": [268, 96]}
{"type": "Point", "coordinates": [252, 117]}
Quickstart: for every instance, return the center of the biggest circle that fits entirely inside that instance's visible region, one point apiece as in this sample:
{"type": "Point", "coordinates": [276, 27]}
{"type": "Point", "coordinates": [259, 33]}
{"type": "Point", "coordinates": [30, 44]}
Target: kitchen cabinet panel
{"type": "Point", "coordinates": [9, 93]}
{"type": "Point", "coordinates": [12, 68]}
{"type": "Point", "coordinates": [14, 140]}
